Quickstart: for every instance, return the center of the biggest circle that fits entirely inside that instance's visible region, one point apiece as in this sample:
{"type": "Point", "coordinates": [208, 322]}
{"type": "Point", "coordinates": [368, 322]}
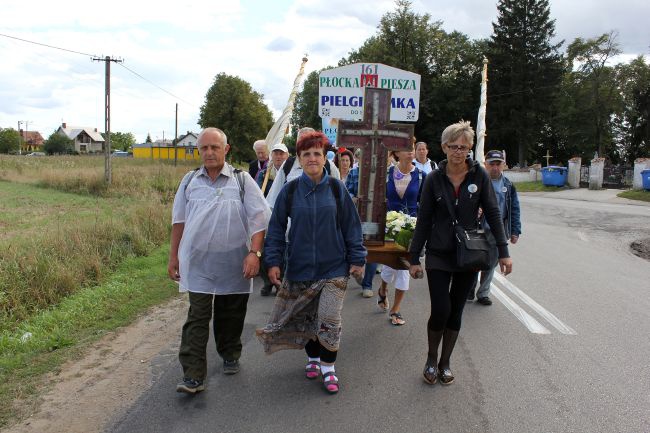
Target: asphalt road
{"type": "Point", "coordinates": [564, 348]}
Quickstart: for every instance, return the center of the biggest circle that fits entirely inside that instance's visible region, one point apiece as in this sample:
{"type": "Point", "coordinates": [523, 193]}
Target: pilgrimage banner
{"type": "Point", "coordinates": [340, 91]}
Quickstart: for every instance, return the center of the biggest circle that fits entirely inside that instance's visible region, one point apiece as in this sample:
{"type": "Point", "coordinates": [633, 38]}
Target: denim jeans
{"type": "Point", "coordinates": [485, 281]}
{"type": "Point", "coordinates": [369, 275]}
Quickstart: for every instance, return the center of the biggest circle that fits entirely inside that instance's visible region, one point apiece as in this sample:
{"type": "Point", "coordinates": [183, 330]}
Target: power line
{"type": "Point", "coordinates": [48, 46]}
{"type": "Point", "coordinates": [96, 56]}
{"type": "Point", "coordinates": [155, 85]}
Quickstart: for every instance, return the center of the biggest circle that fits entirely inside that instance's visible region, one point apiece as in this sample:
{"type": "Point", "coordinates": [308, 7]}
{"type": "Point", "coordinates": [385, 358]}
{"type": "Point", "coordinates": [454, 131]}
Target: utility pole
{"type": "Point", "coordinates": [176, 138]}
{"type": "Point", "coordinates": [19, 144]}
{"type": "Point", "coordinates": [107, 112]}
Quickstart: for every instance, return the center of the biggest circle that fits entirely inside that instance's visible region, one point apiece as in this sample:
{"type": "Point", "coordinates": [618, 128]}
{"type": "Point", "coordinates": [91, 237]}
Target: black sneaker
{"type": "Point", "coordinates": [230, 367]}
{"type": "Point", "coordinates": [190, 386]}
{"type": "Point", "coordinates": [484, 301]}
{"type": "Point", "coordinates": [266, 290]}
{"type": "Point", "coordinates": [470, 295]}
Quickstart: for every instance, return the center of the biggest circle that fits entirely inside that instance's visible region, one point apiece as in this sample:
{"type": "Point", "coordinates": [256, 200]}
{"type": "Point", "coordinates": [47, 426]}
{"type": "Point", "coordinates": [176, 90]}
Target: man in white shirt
{"type": "Point", "coordinates": [219, 219]}
{"type": "Point", "coordinates": [421, 161]}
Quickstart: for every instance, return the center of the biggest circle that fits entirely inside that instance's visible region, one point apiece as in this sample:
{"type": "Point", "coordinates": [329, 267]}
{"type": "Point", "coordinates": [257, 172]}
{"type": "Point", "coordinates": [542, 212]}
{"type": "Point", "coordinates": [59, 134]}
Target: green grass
{"type": "Point", "coordinates": [641, 195]}
{"type": "Point", "coordinates": [56, 243]}
{"type": "Point", "coordinates": [536, 187]}
{"type": "Point", "coordinates": [63, 331]}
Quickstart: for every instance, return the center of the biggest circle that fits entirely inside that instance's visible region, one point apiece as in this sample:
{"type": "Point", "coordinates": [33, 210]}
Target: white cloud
{"type": "Point", "coordinates": [182, 46]}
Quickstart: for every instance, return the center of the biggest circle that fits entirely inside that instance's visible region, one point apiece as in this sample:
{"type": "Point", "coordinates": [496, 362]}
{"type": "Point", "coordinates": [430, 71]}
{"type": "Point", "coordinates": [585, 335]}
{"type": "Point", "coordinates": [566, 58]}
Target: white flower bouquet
{"type": "Point", "coordinates": [400, 227]}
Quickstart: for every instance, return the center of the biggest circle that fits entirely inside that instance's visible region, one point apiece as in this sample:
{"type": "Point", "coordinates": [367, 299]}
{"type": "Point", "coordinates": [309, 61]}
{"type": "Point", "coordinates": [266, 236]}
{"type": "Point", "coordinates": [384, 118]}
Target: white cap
{"type": "Point", "coordinates": [280, 146]}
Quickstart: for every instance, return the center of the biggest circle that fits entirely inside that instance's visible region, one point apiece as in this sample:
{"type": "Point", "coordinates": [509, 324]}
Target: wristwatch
{"type": "Point", "coordinates": [257, 253]}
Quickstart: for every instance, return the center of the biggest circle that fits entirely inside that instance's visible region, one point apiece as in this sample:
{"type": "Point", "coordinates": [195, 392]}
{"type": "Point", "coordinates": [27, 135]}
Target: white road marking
{"type": "Point", "coordinates": [529, 321]}
{"type": "Point", "coordinates": [550, 317]}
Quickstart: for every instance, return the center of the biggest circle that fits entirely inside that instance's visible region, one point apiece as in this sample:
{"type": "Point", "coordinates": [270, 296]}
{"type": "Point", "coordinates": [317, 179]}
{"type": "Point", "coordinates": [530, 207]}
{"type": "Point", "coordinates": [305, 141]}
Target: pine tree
{"type": "Point", "coordinates": [525, 72]}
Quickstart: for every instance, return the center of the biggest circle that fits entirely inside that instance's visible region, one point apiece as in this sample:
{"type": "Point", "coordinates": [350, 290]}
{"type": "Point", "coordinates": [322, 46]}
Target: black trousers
{"type": "Point", "coordinates": [448, 300]}
{"type": "Point", "coordinates": [228, 313]}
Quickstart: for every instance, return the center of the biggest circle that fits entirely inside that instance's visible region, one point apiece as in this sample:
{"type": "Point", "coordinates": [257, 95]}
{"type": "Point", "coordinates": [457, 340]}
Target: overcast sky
{"type": "Point", "coordinates": [182, 46]}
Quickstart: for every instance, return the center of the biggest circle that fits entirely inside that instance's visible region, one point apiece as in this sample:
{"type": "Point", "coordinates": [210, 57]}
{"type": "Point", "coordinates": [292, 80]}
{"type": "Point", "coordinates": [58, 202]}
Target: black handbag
{"type": "Point", "coordinates": [473, 250]}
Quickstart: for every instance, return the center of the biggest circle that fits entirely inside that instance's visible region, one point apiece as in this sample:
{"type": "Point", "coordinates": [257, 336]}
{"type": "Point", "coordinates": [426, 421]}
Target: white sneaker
{"type": "Point", "coordinates": [367, 293]}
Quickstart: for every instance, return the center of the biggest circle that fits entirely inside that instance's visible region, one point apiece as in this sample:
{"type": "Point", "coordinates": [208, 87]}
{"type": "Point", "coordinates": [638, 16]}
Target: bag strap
{"type": "Point", "coordinates": [445, 197]}
{"type": "Point", "coordinates": [239, 177]}
{"type": "Point", "coordinates": [336, 190]}
{"type": "Point", "coordinates": [287, 166]}
{"type": "Point", "coordinates": [291, 188]}
{"type": "Point", "coordinates": [196, 170]}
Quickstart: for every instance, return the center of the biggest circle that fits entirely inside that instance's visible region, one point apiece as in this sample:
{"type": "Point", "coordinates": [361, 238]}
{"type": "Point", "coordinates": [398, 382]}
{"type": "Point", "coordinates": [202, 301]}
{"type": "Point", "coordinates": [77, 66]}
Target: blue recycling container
{"type": "Point", "coordinates": [645, 176]}
{"type": "Point", "coordinates": [554, 175]}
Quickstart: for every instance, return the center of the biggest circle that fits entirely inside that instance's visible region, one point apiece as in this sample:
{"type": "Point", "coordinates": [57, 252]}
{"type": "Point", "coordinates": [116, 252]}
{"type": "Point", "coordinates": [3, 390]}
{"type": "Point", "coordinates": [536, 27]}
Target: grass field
{"type": "Point", "coordinates": [77, 258]}
{"type": "Point", "coordinates": [63, 331]}
{"type": "Point", "coordinates": [635, 195]}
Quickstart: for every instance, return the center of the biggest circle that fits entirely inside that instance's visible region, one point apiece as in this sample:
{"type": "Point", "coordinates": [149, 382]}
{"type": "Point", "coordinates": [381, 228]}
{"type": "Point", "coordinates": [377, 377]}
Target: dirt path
{"type": "Point", "coordinates": [112, 375]}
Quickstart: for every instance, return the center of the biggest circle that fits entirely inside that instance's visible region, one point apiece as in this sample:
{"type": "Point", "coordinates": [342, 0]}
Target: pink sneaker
{"type": "Point", "coordinates": [312, 370]}
{"type": "Point", "coordinates": [330, 382]}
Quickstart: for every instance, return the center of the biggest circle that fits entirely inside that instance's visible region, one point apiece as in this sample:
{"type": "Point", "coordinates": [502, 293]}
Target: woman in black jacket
{"type": "Point", "coordinates": [466, 186]}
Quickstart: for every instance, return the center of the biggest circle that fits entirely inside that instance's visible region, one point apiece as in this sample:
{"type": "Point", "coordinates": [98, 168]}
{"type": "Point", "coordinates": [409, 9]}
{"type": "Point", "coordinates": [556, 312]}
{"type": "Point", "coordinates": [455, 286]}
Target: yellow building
{"type": "Point", "coordinates": [151, 151]}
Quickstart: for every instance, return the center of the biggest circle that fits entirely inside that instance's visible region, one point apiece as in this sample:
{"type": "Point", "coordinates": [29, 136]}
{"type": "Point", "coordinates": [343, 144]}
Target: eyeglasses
{"type": "Point", "coordinates": [456, 148]}
{"type": "Point", "coordinates": [495, 162]}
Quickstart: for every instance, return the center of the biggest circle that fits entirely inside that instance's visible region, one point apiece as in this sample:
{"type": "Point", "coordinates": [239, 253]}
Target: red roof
{"type": "Point", "coordinates": [32, 137]}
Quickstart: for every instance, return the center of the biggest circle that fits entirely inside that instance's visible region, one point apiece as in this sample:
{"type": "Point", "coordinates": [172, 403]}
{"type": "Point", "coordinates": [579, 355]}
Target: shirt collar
{"type": "Point", "coordinates": [310, 182]}
{"type": "Point", "coordinates": [226, 170]}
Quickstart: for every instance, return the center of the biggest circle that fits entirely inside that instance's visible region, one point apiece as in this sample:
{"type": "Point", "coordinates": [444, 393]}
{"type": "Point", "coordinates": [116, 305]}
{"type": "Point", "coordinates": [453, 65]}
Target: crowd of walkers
{"type": "Point", "coordinates": [293, 221]}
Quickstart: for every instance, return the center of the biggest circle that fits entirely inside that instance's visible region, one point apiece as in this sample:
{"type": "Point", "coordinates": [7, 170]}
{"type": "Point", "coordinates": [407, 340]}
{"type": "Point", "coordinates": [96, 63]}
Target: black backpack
{"type": "Point", "coordinates": [334, 185]}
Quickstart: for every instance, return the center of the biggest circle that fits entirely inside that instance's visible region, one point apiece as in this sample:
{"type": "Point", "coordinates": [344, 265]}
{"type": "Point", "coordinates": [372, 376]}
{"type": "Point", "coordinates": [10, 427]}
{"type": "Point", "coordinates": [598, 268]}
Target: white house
{"type": "Point", "coordinates": [187, 140]}
{"type": "Point", "coordinates": [86, 139]}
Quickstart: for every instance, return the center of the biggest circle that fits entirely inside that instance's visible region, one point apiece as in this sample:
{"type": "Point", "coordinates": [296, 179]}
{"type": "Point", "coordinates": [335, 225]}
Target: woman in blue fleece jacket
{"type": "Point", "coordinates": [324, 246]}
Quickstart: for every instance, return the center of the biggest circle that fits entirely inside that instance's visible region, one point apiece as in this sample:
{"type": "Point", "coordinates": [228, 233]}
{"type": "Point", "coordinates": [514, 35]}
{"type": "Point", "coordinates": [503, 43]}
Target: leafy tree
{"type": "Point", "coordinates": [631, 126]}
{"type": "Point", "coordinates": [58, 144]}
{"type": "Point", "coordinates": [122, 140]}
{"type": "Point", "coordinates": [10, 140]}
{"type": "Point", "coordinates": [449, 65]}
{"type": "Point", "coordinates": [595, 84]}
{"type": "Point", "coordinates": [525, 73]}
{"type": "Point", "coordinates": [234, 107]}
{"type": "Point", "coordinates": [148, 140]}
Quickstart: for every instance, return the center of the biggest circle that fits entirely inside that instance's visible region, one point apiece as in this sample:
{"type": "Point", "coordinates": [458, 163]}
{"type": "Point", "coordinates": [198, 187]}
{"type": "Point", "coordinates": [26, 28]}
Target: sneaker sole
{"type": "Point", "coordinates": [186, 390]}
{"type": "Point", "coordinates": [231, 372]}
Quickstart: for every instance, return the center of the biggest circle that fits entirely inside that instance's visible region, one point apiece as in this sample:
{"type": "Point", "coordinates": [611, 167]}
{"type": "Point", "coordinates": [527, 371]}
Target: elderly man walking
{"type": "Point", "coordinates": [495, 163]}
{"type": "Point", "coordinates": [218, 223]}
{"type": "Point", "coordinates": [262, 160]}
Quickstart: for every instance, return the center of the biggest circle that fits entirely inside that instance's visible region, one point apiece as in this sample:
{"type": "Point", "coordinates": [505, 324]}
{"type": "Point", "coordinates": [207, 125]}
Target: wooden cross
{"type": "Point", "coordinates": [375, 136]}
{"type": "Point", "coordinates": [548, 157]}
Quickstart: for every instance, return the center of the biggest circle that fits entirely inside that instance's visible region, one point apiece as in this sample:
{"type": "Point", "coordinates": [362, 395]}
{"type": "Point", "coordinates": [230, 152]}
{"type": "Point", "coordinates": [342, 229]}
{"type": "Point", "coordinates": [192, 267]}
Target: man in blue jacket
{"type": "Point", "coordinates": [495, 163]}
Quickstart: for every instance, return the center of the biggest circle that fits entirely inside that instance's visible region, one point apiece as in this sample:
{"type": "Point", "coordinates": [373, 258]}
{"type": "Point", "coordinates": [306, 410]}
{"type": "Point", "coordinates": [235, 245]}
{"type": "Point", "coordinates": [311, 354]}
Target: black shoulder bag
{"type": "Point", "coordinates": [472, 246]}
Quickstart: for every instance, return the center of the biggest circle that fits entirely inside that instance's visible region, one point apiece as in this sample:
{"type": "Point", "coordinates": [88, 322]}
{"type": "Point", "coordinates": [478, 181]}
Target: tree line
{"type": "Point", "coordinates": [570, 102]}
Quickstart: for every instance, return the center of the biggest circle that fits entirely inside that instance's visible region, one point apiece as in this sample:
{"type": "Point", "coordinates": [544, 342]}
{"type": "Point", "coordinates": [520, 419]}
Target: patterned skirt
{"type": "Point", "coordinates": [303, 311]}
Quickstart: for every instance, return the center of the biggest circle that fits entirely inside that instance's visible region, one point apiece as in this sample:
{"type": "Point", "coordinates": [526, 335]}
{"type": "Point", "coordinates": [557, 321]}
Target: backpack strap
{"type": "Point", "coordinates": [291, 188]}
{"type": "Point", "coordinates": [239, 177]}
{"type": "Point", "coordinates": [287, 166]}
{"type": "Point", "coordinates": [196, 170]}
{"type": "Point", "coordinates": [328, 167]}
{"type": "Point", "coordinates": [336, 190]}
